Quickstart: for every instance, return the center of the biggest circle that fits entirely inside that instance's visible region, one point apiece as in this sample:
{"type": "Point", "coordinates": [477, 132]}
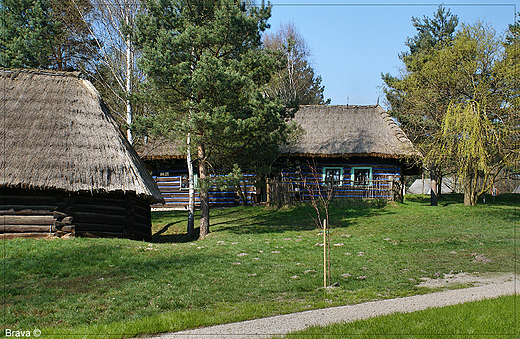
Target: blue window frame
{"type": "Point", "coordinates": [332, 176]}
{"type": "Point", "coordinates": [361, 176]}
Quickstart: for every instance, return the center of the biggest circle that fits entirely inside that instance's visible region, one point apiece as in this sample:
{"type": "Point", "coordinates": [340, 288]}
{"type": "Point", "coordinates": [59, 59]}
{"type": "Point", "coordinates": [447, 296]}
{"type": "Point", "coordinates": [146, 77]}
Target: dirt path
{"type": "Point", "coordinates": [485, 287]}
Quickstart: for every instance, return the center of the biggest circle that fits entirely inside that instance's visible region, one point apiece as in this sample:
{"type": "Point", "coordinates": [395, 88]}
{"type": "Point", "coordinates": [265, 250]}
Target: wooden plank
{"type": "Point", "coordinates": [27, 220]}
{"type": "Point", "coordinates": [143, 210]}
{"type": "Point", "coordinates": [26, 229]}
{"type": "Point", "coordinates": [102, 209]}
{"type": "Point", "coordinates": [101, 234]}
{"type": "Point", "coordinates": [167, 179]}
{"type": "Point", "coordinates": [172, 189]}
{"type": "Point", "coordinates": [142, 227]}
{"type": "Point", "coordinates": [26, 210]}
{"type": "Point", "coordinates": [110, 200]}
{"type": "Point", "coordinates": [23, 235]}
{"type": "Point", "coordinates": [88, 227]}
{"type": "Point", "coordinates": [98, 218]}
{"type": "Point", "coordinates": [141, 219]}
{"type": "Point", "coordinates": [30, 199]}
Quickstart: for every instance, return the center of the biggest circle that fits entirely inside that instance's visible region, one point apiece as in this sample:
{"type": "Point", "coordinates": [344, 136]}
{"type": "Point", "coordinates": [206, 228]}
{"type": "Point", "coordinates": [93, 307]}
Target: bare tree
{"type": "Point", "coordinates": [320, 197]}
{"type": "Point", "coordinates": [116, 72]}
{"type": "Point", "coordinates": [296, 83]}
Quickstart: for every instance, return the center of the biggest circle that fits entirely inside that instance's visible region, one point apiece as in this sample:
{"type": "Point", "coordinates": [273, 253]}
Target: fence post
{"type": "Point", "coordinates": [391, 188]}
{"type": "Point", "coordinates": [325, 253]}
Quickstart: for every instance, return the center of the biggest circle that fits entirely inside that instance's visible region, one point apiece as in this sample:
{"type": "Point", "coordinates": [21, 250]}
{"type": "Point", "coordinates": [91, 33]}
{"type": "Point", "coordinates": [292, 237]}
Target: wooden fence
{"type": "Point", "coordinates": [176, 193]}
{"type": "Point", "coordinates": [288, 190]}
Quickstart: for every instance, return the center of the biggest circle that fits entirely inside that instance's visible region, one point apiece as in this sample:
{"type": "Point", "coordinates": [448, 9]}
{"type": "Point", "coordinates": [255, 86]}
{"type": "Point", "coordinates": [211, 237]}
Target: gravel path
{"type": "Point", "coordinates": [283, 324]}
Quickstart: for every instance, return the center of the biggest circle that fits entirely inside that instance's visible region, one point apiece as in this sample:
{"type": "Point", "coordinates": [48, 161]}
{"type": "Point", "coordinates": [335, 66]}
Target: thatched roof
{"type": "Point", "coordinates": [328, 131]}
{"type": "Point", "coordinates": [57, 134]}
{"type": "Point", "coordinates": [345, 131]}
{"type": "Point", "coordinates": [159, 149]}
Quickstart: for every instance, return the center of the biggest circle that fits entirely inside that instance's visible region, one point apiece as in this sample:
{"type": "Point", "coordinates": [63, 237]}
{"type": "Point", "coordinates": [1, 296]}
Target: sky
{"type": "Point", "coordinates": [352, 43]}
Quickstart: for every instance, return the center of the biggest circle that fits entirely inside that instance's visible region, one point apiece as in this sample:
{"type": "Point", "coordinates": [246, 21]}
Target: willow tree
{"type": "Point", "coordinates": [205, 58]}
{"type": "Point", "coordinates": [476, 129]}
{"type": "Point", "coordinates": [419, 97]}
{"type": "Point", "coordinates": [469, 133]}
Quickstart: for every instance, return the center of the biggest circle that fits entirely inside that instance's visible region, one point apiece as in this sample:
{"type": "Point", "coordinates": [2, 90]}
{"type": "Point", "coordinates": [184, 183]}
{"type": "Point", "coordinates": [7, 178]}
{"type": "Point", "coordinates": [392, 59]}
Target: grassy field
{"type": "Point", "coordinates": [256, 262]}
{"type": "Point", "coordinates": [497, 318]}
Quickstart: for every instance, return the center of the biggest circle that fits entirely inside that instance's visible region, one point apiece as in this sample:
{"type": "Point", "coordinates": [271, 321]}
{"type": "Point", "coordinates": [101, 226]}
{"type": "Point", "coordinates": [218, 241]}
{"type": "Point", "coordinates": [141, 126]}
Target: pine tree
{"type": "Point", "coordinates": [205, 58]}
{"type": "Point", "coordinates": [28, 33]}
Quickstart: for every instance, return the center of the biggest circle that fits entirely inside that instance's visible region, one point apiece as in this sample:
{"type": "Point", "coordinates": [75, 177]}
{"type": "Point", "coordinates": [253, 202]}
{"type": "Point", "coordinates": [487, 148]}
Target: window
{"type": "Point", "coordinates": [185, 184]}
{"type": "Point", "coordinates": [184, 181]}
{"type": "Point", "coordinates": [332, 176]}
{"type": "Point", "coordinates": [361, 176]}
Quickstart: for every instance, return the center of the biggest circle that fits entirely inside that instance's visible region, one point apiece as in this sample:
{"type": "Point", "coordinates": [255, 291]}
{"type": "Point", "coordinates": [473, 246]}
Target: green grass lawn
{"type": "Point", "coordinates": [256, 262]}
{"type": "Point", "coordinates": [496, 318]}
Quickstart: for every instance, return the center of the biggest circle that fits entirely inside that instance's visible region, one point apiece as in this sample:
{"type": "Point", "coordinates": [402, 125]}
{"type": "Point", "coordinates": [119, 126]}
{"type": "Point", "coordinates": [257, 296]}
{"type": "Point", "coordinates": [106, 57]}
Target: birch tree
{"type": "Point", "coordinates": [116, 72]}
{"type": "Point", "coordinates": [297, 83]}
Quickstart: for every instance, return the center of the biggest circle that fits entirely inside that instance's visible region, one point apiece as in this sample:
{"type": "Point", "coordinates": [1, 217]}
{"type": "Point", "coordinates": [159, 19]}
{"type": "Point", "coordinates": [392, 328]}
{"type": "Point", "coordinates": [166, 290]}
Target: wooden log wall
{"type": "Point", "coordinates": [36, 213]}
{"type": "Point", "coordinates": [294, 181]}
{"type": "Point", "coordinates": [169, 183]}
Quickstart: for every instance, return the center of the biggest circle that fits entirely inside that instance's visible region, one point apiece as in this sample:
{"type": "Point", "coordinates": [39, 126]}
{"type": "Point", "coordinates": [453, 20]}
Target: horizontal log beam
{"type": "Point", "coordinates": [26, 229]}
{"type": "Point", "coordinates": [106, 209]}
{"type": "Point", "coordinates": [98, 218]}
{"type": "Point", "coordinates": [26, 210]}
{"type": "Point", "coordinates": [23, 235]}
{"type": "Point", "coordinates": [117, 201]}
{"type": "Point", "coordinates": [141, 219]}
{"type": "Point", "coordinates": [87, 227]}
{"type": "Point", "coordinates": [30, 199]}
{"type": "Point", "coordinates": [27, 220]}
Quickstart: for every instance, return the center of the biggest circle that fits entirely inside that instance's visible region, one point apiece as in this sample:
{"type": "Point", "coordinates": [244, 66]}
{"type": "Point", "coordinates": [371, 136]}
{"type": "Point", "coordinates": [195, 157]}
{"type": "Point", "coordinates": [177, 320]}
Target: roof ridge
{"type": "Point", "coordinates": [76, 74]}
{"type": "Point", "coordinates": [343, 106]}
{"type": "Point", "coordinates": [399, 133]}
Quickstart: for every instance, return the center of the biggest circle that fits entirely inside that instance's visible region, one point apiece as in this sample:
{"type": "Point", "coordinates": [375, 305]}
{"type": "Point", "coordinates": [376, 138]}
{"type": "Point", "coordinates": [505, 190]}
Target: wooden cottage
{"type": "Point", "coordinates": [355, 151]}
{"type": "Point", "coordinates": [167, 162]}
{"type": "Point", "coordinates": [66, 169]}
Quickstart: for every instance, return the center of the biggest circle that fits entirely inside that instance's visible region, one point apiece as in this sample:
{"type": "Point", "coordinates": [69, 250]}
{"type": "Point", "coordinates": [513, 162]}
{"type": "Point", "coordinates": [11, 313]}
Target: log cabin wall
{"type": "Point", "coordinates": [356, 179]}
{"type": "Point", "coordinates": [39, 213]}
{"type": "Point", "coordinates": [171, 178]}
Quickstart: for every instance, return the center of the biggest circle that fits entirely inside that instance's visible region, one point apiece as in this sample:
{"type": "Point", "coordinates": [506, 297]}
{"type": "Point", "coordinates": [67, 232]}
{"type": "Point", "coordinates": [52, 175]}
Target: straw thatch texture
{"type": "Point", "coordinates": [58, 135]}
{"type": "Point", "coordinates": [161, 149]}
{"type": "Point", "coordinates": [349, 131]}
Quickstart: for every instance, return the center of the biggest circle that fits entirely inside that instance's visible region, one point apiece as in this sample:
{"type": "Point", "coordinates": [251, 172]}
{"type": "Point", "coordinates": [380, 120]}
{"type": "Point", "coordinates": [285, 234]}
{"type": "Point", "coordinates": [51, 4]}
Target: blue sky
{"type": "Point", "coordinates": [353, 42]}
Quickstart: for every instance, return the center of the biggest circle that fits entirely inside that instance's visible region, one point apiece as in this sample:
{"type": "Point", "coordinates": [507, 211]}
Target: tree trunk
{"type": "Point", "coordinates": [470, 192]}
{"type": "Point", "coordinates": [191, 191]}
{"type": "Point", "coordinates": [128, 88]}
{"type": "Point", "coordinates": [439, 186]}
{"type": "Point", "coordinates": [204, 193]}
{"type": "Point", "coordinates": [433, 186]}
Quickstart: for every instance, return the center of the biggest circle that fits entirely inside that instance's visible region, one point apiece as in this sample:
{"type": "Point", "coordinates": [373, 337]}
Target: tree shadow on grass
{"type": "Point", "coordinates": [298, 218]}
{"type": "Point", "coordinates": [175, 238]}
{"type": "Point", "coordinates": [160, 237]}
{"type": "Point", "coordinates": [509, 199]}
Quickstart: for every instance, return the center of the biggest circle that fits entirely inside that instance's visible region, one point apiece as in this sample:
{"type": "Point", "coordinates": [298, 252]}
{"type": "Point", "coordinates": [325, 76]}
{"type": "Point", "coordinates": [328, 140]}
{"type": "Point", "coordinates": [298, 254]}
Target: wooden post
{"type": "Point", "coordinates": [391, 188]}
{"type": "Point", "coordinates": [325, 253]}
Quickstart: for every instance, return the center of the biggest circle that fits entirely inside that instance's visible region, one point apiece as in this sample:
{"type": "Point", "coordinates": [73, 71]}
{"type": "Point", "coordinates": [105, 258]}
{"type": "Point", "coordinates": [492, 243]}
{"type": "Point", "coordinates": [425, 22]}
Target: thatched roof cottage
{"type": "Point", "coordinates": [359, 151]}
{"type": "Point", "coordinates": [66, 167]}
{"type": "Point", "coordinates": [349, 131]}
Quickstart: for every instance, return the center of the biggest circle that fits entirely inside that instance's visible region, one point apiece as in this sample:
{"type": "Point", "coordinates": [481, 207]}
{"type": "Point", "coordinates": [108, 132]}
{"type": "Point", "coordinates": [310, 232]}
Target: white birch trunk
{"type": "Point", "coordinates": [128, 88]}
{"type": "Point", "coordinates": [191, 190]}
